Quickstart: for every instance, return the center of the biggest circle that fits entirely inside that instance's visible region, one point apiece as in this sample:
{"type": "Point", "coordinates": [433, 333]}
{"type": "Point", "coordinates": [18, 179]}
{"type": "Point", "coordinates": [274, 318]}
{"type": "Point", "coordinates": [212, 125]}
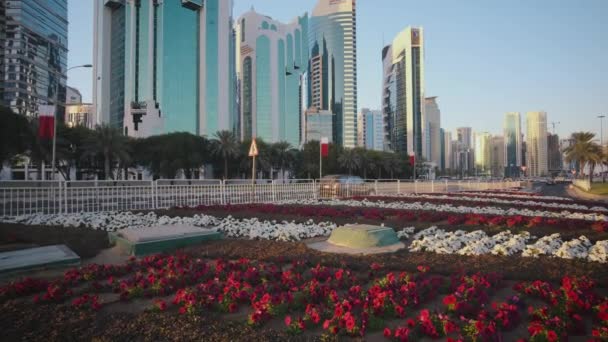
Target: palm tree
{"type": "Point", "coordinates": [226, 146]}
{"type": "Point", "coordinates": [111, 144]}
{"type": "Point", "coordinates": [283, 155]}
{"type": "Point", "coordinates": [349, 159]}
{"type": "Point", "coordinates": [584, 151]}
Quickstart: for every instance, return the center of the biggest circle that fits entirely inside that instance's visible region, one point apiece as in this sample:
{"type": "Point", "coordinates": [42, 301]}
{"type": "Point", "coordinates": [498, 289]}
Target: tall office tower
{"type": "Point", "coordinates": [372, 129]}
{"type": "Point", "coordinates": [33, 55]}
{"type": "Point", "coordinates": [446, 150]}
{"type": "Point", "coordinates": [403, 93]}
{"type": "Point", "coordinates": [466, 152]}
{"type": "Point", "coordinates": [483, 154]}
{"type": "Point", "coordinates": [536, 143]}
{"type": "Point", "coordinates": [498, 156]}
{"type": "Point", "coordinates": [271, 62]}
{"type": "Point", "coordinates": [332, 67]}
{"type": "Point", "coordinates": [168, 64]}
{"type": "Point", "coordinates": [433, 130]}
{"type": "Point", "coordinates": [513, 144]}
{"type": "Point", "coordinates": [554, 153]}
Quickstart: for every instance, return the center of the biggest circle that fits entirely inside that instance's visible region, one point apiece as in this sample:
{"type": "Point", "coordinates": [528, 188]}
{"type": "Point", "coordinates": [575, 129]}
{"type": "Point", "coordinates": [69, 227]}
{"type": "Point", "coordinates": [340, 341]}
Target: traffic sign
{"type": "Point", "coordinates": [253, 150]}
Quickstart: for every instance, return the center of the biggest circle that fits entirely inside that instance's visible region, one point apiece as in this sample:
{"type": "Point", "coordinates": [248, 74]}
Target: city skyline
{"type": "Point", "coordinates": [524, 74]}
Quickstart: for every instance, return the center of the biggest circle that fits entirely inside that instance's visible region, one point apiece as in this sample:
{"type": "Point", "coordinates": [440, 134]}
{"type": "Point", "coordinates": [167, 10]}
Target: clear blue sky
{"type": "Point", "coordinates": [483, 57]}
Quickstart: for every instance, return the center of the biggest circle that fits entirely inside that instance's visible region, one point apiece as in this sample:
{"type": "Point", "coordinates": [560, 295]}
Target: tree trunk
{"type": "Point", "coordinates": [106, 166]}
{"type": "Point", "coordinates": [225, 168]}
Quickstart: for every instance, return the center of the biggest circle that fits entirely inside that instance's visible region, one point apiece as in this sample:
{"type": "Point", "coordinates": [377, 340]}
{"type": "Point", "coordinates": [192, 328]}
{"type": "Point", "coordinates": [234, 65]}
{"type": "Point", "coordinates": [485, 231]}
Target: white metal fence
{"type": "Point", "coordinates": [54, 197]}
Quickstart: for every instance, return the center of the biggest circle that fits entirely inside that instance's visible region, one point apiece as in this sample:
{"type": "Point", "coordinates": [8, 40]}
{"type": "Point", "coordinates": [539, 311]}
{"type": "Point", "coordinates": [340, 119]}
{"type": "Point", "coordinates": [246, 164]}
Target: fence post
{"type": "Point", "coordinates": [223, 192]}
{"type": "Point", "coordinates": [317, 191]}
{"type": "Point", "coordinates": [272, 189]}
{"type": "Point", "coordinates": [60, 198]}
{"type": "Point", "coordinates": [154, 194]}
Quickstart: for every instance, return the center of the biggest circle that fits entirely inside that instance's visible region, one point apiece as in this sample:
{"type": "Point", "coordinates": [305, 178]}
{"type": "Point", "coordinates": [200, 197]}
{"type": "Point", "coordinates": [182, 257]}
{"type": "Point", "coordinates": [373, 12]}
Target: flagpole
{"type": "Point", "coordinates": [54, 130]}
{"type": "Point", "coordinates": [320, 160]}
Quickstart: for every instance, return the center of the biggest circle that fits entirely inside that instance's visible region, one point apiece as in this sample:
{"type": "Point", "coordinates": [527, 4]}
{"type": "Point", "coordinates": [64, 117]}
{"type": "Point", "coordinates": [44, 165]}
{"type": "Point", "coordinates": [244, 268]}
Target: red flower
{"type": "Point", "coordinates": [288, 320]}
{"type": "Point", "coordinates": [326, 324]}
{"type": "Point", "coordinates": [450, 302]}
{"type": "Point", "coordinates": [387, 333]}
{"type": "Point", "coordinates": [551, 336]}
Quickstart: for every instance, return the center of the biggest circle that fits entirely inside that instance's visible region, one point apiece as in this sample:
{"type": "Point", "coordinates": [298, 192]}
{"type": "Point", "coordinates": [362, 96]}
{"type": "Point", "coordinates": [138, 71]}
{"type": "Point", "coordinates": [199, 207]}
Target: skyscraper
{"type": "Point", "coordinates": [33, 54]}
{"type": "Point", "coordinates": [272, 59]}
{"type": "Point", "coordinates": [403, 93]}
{"type": "Point", "coordinates": [536, 144]}
{"type": "Point", "coordinates": [554, 153]}
{"type": "Point", "coordinates": [498, 156]}
{"type": "Point", "coordinates": [466, 152]}
{"type": "Point", "coordinates": [372, 129]}
{"type": "Point", "coordinates": [432, 132]}
{"type": "Point", "coordinates": [168, 64]}
{"type": "Point", "coordinates": [332, 66]}
{"type": "Point", "coordinates": [513, 144]}
{"type": "Point", "coordinates": [446, 151]}
{"type": "Point", "coordinates": [483, 154]}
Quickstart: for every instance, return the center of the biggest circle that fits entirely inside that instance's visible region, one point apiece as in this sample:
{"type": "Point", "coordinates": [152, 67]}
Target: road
{"type": "Point", "coordinates": [558, 190]}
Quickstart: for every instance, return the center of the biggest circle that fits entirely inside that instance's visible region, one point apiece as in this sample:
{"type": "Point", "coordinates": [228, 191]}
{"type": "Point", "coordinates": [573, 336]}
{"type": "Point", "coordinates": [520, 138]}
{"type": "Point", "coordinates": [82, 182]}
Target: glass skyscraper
{"type": "Point", "coordinates": [332, 68]}
{"type": "Point", "coordinates": [165, 66]}
{"type": "Point", "coordinates": [33, 54]}
{"type": "Point", "coordinates": [270, 66]}
{"type": "Point", "coordinates": [403, 94]}
{"type": "Point", "coordinates": [513, 144]}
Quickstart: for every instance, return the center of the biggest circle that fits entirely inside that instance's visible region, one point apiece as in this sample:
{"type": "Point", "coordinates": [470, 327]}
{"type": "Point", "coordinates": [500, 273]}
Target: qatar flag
{"type": "Point", "coordinates": [412, 159]}
{"type": "Point", "coordinates": [324, 147]}
{"type": "Point", "coordinates": [46, 121]}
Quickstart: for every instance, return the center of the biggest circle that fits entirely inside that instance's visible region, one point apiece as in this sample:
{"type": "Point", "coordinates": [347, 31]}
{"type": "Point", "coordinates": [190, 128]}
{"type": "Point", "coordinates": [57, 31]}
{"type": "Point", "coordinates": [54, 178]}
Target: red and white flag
{"type": "Point", "coordinates": [324, 147]}
{"type": "Point", "coordinates": [46, 121]}
{"type": "Point", "coordinates": [412, 159]}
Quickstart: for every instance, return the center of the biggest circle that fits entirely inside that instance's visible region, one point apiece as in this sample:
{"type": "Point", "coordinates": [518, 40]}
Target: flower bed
{"type": "Point", "coordinates": [483, 200]}
{"type": "Point", "coordinates": [505, 243]}
{"type": "Point", "coordinates": [308, 299]}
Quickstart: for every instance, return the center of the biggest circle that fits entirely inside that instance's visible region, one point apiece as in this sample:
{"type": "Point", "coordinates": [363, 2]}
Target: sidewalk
{"type": "Point", "coordinates": [575, 192]}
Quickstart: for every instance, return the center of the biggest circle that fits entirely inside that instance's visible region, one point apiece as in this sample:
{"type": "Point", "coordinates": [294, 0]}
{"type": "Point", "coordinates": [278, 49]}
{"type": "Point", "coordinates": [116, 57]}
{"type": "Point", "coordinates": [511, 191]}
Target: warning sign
{"type": "Point", "coordinates": [253, 150]}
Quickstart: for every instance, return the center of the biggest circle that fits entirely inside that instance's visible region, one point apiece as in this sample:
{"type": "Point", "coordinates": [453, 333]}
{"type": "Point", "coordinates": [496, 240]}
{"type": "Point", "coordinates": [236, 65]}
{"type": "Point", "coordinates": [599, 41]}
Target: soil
{"type": "Point", "coordinates": [85, 242]}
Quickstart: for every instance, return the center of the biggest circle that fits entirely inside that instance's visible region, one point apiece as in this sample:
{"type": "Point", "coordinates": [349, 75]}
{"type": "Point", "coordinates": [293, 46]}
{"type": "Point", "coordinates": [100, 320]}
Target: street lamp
{"type": "Point", "coordinates": [601, 117]}
{"type": "Point", "coordinates": [55, 114]}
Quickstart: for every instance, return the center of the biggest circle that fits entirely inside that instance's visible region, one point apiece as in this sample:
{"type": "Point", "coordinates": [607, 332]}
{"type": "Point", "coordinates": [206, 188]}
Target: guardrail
{"type": "Point", "coordinates": [55, 197]}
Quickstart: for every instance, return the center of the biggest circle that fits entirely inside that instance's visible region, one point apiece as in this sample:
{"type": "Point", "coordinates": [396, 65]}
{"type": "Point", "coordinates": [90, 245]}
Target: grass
{"type": "Point", "coordinates": [599, 189]}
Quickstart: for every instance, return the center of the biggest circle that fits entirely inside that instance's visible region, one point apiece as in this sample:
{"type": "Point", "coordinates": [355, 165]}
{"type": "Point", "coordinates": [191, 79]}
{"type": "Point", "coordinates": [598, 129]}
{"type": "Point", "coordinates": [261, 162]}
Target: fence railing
{"type": "Point", "coordinates": [55, 197]}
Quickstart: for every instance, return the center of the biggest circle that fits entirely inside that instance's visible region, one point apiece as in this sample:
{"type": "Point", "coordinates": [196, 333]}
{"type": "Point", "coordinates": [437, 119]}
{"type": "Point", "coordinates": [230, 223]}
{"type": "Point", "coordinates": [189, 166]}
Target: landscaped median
{"type": "Point", "coordinates": [476, 266]}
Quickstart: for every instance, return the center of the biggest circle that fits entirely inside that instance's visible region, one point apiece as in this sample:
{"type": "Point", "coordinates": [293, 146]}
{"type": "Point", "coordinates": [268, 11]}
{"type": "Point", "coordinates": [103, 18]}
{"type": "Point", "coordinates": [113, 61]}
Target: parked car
{"type": "Point", "coordinates": [332, 186]}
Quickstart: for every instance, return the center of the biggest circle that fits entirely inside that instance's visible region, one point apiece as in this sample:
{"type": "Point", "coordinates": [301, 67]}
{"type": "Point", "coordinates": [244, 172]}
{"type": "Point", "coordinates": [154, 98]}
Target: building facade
{"type": "Point", "coordinates": [271, 63]}
{"type": "Point", "coordinates": [513, 144]}
{"type": "Point", "coordinates": [466, 150]}
{"type": "Point", "coordinates": [554, 154]}
{"type": "Point", "coordinates": [372, 122]}
{"type": "Point", "coordinates": [170, 66]}
{"type": "Point", "coordinates": [33, 55]}
{"type": "Point", "coordinates": [483, 154]}
{"type": "Point", "coordinates": [432, 132]}
{"type": "Point", "coordinates": [403, 93]}
{"type": "Point", "coordinates": [332, 66]}
{"type": "Point", "coordinates": [498, 156]}
{"type": "Point", "coordinates": [536, 145]}
{"type": "Point", "coordinates": [446, 151]}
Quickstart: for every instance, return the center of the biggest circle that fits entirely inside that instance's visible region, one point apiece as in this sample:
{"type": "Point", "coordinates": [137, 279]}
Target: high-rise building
{"type": "Point", "coordinates": [165, 66]}
{"type": "Point", "coordinates": [332, 66]}
{"type": "Point", "coordinates": [466, 150]}
{"type": "Point", "coordinates": [554, 153]}
{"type": "Point", "coordinates": [536, 144]}
{"type": "Point", "coordinates": [33, 55]}
{"type": "Point", "coordinates": [513, 144]}
{"type": "Point", "coordinates": [271, 62]}
{"type": "Point", "coordinates": [403, 93]}
{"type": "Point", "coordinates": [566, 165]}
{"type": "Point", "coordinates": [76, 112]}
{"type": "Point", "coordinates": [498, 156]}
{"type": "Point", "coordinates": [432, 132]}
{"type": "Point", "coordinates": [446, 150]}
{"type": "Point", "coordinates": [483, 154]}
{"type": "Point", "coordinates": [372, 129]}
{"type": "Point", "coordinates": [73, 96]}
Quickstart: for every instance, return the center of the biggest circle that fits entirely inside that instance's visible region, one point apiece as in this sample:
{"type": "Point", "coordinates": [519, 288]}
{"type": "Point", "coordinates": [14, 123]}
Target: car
{"type": "Point", "coordinates": [333, 186]}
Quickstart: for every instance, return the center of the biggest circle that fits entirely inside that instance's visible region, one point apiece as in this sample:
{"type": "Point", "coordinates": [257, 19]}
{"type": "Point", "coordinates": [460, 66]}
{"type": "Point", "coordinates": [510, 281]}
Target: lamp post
{"type": "Point", "coordinates": [55, 114]}
{"type": "Point", "coordinates": [601, 117]}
